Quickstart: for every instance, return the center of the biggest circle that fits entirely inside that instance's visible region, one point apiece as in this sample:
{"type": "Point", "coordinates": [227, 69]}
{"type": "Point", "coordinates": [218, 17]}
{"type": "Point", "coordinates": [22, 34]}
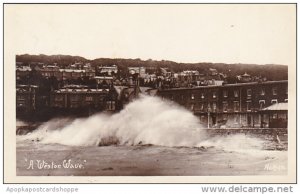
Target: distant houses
{"type": "Point", "coordinates": [218, 98]}
{"type": "Point", "coordinates": [108, 70]}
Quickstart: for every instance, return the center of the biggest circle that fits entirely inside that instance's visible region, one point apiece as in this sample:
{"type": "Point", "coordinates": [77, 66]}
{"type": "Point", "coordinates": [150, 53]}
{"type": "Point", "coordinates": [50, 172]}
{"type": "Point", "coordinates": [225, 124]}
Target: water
{"type": "Point", "coordinates": [149, 136]}
{"type": "Point", "coordinates": [147, 120]}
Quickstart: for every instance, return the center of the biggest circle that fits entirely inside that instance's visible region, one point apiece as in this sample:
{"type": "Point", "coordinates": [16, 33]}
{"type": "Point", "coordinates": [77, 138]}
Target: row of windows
{"type": "Point", "coordinates": [19, 97]}
{"type": "Point", "coordinates": [235, 93]}
{"type": "Point", "coordinates": [111, 105]}
{"type": "Point", "coordinates": [225, 94]}
{"type": "Point", "coordinates": [236, 106]}
{"type": "Point", "coordinates": [75, 98]}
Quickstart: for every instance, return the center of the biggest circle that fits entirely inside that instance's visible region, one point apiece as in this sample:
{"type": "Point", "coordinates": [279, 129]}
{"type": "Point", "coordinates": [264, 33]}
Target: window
{"type": "Point", "coordinates": [282, 116]}
{"type": "Point", "coordinates": [192, 106]}
{"type": "Point", "coordinates": [261, 104]}
{"type": "Point", "coordinates": [192, 96]}
{"type": "Point", "coordinates": [274, 101]}
{"type": "Point", "coordinates": [214, 106]}
{"type": "Point", "coordinates": [225, 117]}
{"type": "Point", "coordinates": [101, 99]}
{"type": "Point", "coordinates": [236, 106]}
{"type": "Point", "coordinates": [58, 98]}
{"type": "Point", "coordinates": [249, 92]}
{"type": "Point", "coordinates": [74, 98]}
{"type": "Point", "coordinates": [248, 104]}
{"type": "Point", "coordinates": [208, 107]}
{"type": "Point", "coordinates": [111, 105]}
{"type": "Point", "coordinates": [202, 95]}
{"type": "Point", "coordinates": [89, 98]}
{"type": "Point", "coordinates": [274, 91]}
{"type": "Point", "coordinates": [262, 92]}
{"type": "Point", "coordinates": [74, 104]}
{"type": "Point", "coordinates": [236, 119]}
{"type": "Point", "coordinates": [20, 98]}
{"type": "Point", "coordinates": [214, 94]}
{"type": "Point", "coordinates": [202, 107]}
{"type": "Point", "coordinates": [236, 93]}
{"type": "Point", "coordinates": [225, 93]}
{"type": "Point", "coordinates": [225, 106]}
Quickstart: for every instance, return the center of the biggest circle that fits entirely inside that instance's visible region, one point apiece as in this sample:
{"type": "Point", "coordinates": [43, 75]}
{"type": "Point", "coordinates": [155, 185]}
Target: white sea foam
{"type": "Point", "coordinates": [147, 120]}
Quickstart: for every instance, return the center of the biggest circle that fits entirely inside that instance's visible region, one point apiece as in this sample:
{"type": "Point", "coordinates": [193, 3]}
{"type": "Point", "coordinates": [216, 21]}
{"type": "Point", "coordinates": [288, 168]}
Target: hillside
{"type": "Point", "coordinates": [270, 71]}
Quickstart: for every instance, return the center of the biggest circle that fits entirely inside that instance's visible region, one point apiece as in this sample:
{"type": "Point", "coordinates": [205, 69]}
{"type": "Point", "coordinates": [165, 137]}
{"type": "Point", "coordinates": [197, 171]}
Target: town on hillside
{"type": "Point", "coordinates": [218, 98]}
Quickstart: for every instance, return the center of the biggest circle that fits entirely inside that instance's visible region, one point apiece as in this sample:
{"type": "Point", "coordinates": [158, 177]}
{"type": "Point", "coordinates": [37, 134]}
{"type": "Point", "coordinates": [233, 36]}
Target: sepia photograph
{"type": "Point", "coordinates": [133, 91]}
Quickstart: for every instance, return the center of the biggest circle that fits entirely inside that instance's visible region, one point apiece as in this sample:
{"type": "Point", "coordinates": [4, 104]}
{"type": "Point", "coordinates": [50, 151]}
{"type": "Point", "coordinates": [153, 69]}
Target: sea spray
{"type": "Point", "coordinates": [237, 142]}
{"type": "Point", "coordinates": [147, 120]}
{"type": "Point", "coordinates": [20, 123]}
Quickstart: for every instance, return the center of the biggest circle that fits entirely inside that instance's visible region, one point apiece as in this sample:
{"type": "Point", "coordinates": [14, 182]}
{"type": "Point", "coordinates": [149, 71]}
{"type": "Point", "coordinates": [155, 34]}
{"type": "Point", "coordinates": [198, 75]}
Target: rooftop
{"type": "Point", "coordinates": [26, 86]}
{"type": "Point", "coordinates": [277, 106]}
{"type": "Point", "coordinates": [75, 86]}
{"type": "Point", "coordinates": [108, 67]}
{"type": "Point", "coordinates": [230, 85]}
{"type": "Point", "coordinates": [72, 70]}
{"type": "Point", "coordinates": [103, 77]}
{"type": "Point", "coordinates": [23, 68]}
{"type": "Point", "coordinates": [81, 90]}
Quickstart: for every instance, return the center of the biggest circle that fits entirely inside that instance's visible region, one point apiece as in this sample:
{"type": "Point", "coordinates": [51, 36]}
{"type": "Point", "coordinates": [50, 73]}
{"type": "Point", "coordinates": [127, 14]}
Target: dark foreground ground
{"type": "Point", "coordinates": [36, 159]}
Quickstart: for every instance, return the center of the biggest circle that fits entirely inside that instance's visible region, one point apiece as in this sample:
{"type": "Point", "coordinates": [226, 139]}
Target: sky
{"type": "Point", "coordinates": [256, 34]}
